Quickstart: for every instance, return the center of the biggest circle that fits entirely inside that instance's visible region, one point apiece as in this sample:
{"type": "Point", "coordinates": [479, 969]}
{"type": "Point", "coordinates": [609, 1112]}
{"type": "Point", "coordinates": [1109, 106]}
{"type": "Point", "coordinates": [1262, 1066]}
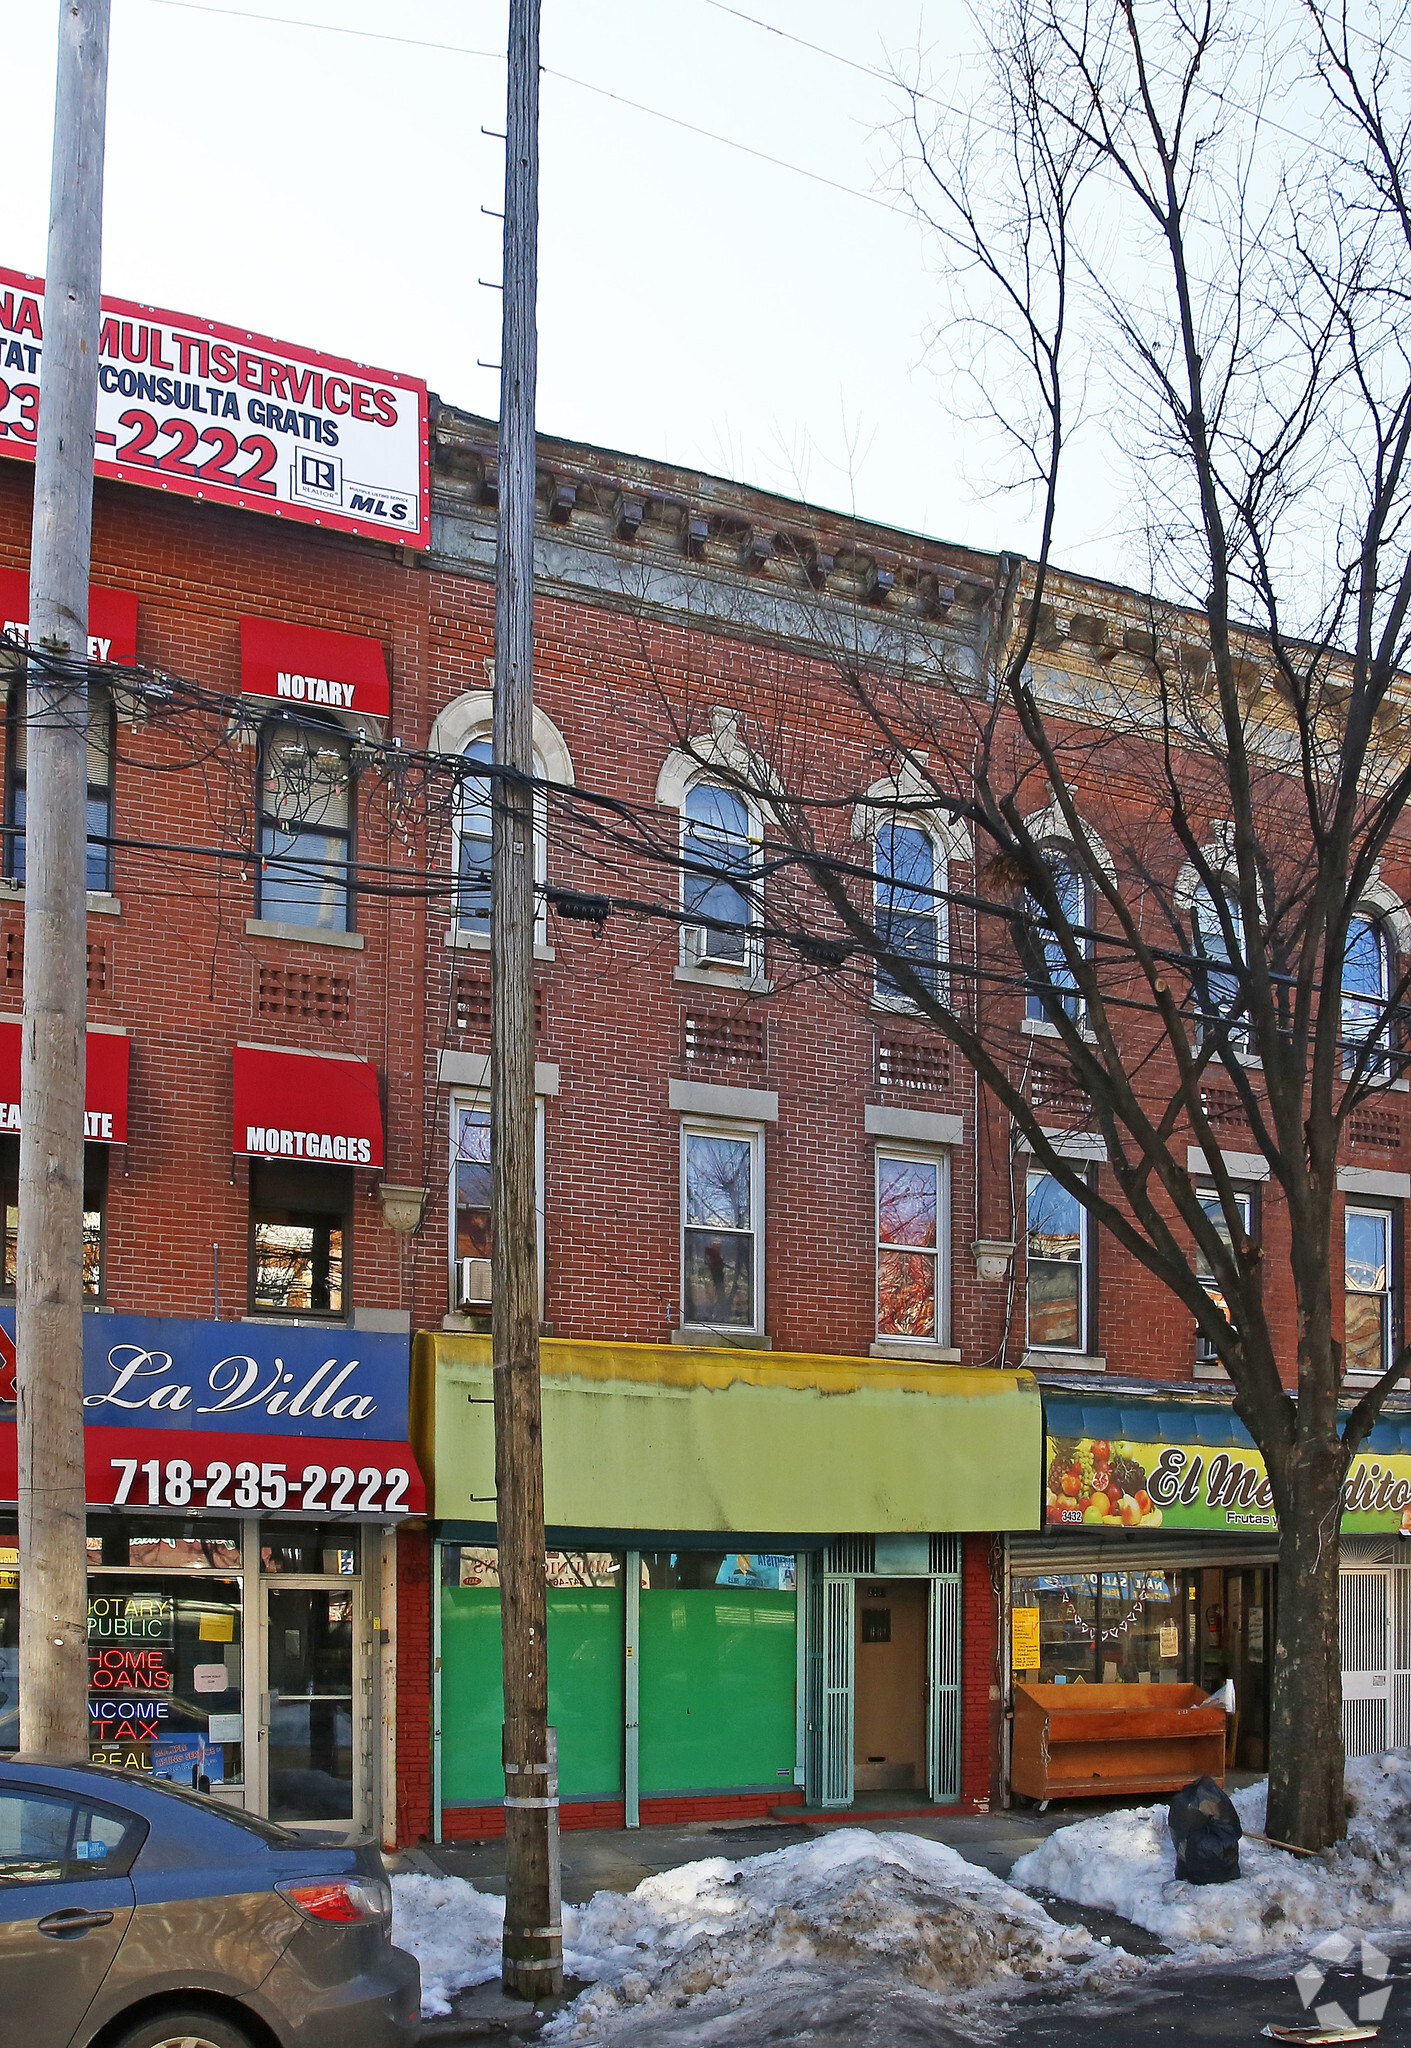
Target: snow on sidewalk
{"type": "Point", "coordinates": [1126, 1861]}
{"type": "Point", "coordinates": [726, 1933]}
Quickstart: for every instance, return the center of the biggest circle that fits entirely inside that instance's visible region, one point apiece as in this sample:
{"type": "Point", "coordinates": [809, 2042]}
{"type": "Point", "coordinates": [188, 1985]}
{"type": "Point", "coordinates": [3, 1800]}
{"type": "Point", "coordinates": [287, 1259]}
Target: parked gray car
{"type": "Point", "coordinates": [137, 1915]}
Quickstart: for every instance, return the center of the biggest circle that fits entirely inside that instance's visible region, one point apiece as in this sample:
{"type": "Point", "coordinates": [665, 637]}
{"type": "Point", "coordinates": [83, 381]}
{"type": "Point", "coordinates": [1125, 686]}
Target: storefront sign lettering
{"type": "Point", "coordinates": [128, 1720]}
{"type": "Point", "coordinates": [239, 1382]}
{"type": "Point", "coordinates": [172, 1373]}
{"type": "Point", "coordinates": [119, 1670]}
{"type": "Point", "coordinates": [1135, 1484]}
{"type": "Point", "coordinates": [130, 1618]}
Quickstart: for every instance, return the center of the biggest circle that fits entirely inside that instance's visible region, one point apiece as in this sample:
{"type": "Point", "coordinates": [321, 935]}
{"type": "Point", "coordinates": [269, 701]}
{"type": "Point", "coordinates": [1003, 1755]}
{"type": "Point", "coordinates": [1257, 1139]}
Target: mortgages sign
{"type": "Point", "coordinates": [205, 411]}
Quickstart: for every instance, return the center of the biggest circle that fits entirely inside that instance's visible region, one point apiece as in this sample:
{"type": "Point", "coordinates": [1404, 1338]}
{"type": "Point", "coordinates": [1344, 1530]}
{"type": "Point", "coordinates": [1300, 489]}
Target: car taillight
{"type": "Point", "coordinates": [348, 1900]}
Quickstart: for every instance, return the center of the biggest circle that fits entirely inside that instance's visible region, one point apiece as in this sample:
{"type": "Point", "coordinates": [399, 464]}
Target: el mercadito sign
{"type": "Point", "coordinates": [260, 1379]}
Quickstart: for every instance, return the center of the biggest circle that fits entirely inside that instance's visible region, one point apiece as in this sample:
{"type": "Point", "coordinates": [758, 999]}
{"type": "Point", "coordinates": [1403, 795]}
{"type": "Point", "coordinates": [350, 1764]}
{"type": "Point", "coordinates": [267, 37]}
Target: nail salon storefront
{"type": "Point", "coordinates": [245, 1481]}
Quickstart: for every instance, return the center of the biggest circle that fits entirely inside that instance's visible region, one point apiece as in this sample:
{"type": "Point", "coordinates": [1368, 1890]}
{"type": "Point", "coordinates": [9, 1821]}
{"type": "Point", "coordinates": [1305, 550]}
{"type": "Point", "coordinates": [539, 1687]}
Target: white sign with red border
{"type": "Point", "coordinates": [189, 406]}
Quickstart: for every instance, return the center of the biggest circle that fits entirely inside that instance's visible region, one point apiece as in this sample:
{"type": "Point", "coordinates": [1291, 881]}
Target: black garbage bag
{"type": "Point", "coordinates": [1206, 1830]}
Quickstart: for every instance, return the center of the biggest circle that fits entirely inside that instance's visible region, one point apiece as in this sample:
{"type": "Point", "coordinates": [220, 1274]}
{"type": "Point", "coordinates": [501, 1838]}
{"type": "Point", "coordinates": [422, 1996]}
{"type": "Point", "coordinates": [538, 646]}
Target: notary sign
{"type": "Point", "coordinates": [189, 406]}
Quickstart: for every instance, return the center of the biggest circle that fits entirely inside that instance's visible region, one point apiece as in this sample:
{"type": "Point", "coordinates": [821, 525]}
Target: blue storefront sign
{"type": "Point", "coordinates": [171, 1372]}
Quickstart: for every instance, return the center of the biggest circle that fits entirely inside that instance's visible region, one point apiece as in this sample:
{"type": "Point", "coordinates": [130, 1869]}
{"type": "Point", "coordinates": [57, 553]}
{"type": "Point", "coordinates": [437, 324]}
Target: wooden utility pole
{"type": "Point", "coordinates": [532, 1963]}
{"type": "Point", "coordinates": [49, 1282]}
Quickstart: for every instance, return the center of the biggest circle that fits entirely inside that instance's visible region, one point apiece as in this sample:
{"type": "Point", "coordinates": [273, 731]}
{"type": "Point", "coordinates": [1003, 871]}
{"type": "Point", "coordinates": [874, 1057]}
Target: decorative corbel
{"type": "Point", "coordinates": [992, 1257]}
{"type": "Point", "coordinates": [401, 1207]}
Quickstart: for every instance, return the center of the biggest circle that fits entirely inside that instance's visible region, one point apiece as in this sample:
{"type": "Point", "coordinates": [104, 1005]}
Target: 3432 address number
{"type": "Point", "coordinates": [343, 1490]}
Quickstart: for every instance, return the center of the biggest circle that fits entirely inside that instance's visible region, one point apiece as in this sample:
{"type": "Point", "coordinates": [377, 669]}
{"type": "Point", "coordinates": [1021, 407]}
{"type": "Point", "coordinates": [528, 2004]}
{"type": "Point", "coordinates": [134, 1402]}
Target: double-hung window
{"type": "Point", "coordinates": [719, 852]}
{"type": "Point", "coordinates": [299, 1238]}
{"type": "Point", "coordinates": [472, 1246]}
{"type": "Point", "coordinates": [473, 846]}
{"type": "Point", "coordinates": [1366, 989]}
{"type": "Point", "coordinates": [102, 729]}
{"type": "Point", "coordinates": [1057, 1266]}
{"type": "Point", "coordinates": [722, 1279]}
{"type": "Point", "coordinates": [1059, 989]}
{"type": "Point", "coordinates": [1217, 992]}
{"type": "Point", "coordinates": [1210, 1202]}
{"type": "Point", "coordinates": [910, 909]}
{"type": "Point", "coordinates": [95, 1207]}
{"type": "Point", "coordinates": [306, 813]}
{"type": "Point", "coordinates": [1369, 1328]}
{"type": "Point", "coordinates": [911, 1246]}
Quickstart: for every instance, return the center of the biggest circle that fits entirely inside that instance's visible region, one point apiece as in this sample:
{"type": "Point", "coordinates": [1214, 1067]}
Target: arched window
{"type": "Point", "coordinates": [1060, 989]}
{"type": "Point", "coordinates": [1366, 990]}
{"type": "Point", "coordinates": [473, 839]}
{"type": "Point", "coordinates": [306, 822]}
{"type": "Point", "coordinates": [473, 844]}
{"type": "Point", "coordinates": [1218, 994]}
{"type": "Point", "coordinates": [102, 729]}
{"type": "Point", "coordinates": [719, 850]}
{"type": "Point", "coordinates": [910, 913]}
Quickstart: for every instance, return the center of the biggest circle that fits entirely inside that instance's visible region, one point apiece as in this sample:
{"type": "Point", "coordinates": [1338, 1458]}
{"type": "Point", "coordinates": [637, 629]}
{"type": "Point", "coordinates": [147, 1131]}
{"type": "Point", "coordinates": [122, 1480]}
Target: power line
{"type": "Point", "coordinates": [778, 163]}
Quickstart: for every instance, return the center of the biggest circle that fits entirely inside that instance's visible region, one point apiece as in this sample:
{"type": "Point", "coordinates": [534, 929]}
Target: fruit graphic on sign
{"type": "Point", "coordinates": [1099, 1484]}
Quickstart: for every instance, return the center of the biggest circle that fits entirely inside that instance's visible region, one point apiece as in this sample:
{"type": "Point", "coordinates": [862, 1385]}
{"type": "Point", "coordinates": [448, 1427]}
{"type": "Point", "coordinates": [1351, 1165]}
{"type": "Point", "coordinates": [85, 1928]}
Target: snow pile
{"type": "Point", "coordinates": [798, 1922]}
{"type": "Point", "coordinates": [453, 1931]}
{"type": "Point", "coordinates": [1125, 1862]}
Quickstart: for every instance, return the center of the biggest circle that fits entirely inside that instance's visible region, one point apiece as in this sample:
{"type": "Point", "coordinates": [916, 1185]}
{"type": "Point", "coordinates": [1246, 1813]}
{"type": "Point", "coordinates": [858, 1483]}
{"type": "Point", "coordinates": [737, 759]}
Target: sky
{"type": "Point", "coordinates": [697, 304]}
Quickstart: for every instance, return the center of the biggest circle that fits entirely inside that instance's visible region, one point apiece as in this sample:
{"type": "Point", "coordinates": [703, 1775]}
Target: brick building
{"type": "Point", "coordinates": [792, 1501]}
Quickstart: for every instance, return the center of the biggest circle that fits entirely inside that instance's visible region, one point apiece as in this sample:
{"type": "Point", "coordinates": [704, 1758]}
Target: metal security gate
{"type": "Point", "coordinates": [829, 1607]}
{"type": "Point", "coordinates": [1374, 1598]}
{"type": "Point", "coordinates": [943, 1659]}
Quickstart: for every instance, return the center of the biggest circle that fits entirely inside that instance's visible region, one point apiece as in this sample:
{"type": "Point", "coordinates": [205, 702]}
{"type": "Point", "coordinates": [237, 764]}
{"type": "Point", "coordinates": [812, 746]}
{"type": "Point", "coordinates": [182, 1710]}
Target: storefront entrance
{"type": "Point", "coordinates": [313, 1758]}
{"type": "Point", "coordinates": [889, 1715]}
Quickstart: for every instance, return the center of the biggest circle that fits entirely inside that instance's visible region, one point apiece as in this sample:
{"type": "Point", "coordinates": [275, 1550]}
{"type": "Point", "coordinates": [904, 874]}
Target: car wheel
{"type": "Point", "coordinates": [185, 2030]}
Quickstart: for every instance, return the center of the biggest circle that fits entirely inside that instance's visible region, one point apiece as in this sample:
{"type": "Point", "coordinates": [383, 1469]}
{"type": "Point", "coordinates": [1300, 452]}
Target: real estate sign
{"type": "Point", "coordinates": [206, 411]}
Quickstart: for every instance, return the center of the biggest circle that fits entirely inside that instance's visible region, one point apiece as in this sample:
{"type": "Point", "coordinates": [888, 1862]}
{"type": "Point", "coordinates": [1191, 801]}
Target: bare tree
{"type": "Point", "coordinates": [1185, 235]}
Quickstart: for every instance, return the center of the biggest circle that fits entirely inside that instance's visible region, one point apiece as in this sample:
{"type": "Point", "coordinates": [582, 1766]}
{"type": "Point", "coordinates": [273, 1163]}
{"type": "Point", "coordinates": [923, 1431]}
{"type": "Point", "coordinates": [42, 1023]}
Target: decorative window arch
{"type": "Point", "coordinates": [1073, 860]}
{"type": "Point", "coordinates": [913, 843]}
{"type": "Point", "coordinates": [1217, 992]}
{"type": "Point", "coordinates": [714, 782]}
{"type": "Point", "coordinates": [463, 730]}
{"type": "Point", "coordinates": [1378, 945]}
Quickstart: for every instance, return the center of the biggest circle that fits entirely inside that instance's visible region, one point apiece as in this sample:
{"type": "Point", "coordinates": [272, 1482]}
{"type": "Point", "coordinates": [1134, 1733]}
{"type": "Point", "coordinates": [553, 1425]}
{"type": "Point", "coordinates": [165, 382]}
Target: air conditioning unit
{"type": "Point", "coordinates": [472, 1283]}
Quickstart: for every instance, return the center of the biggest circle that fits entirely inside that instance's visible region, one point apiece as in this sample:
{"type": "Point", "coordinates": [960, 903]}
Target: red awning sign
{"type": "Point", "coordinates": [112, 617]}
{"type": "Point", "coordinates": [305, 665]}
{"type": "Point", "coordinates": [307, 1105]}
{"type": "Point", "coordinates": [104, 1088]}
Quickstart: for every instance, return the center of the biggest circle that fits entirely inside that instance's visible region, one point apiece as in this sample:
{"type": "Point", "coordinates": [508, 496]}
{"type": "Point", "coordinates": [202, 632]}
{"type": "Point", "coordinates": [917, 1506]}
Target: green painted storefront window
{"type": "Point", "coordinates": [717, 1672]}
{"type": "Point", "coordinates": [585, 1675]}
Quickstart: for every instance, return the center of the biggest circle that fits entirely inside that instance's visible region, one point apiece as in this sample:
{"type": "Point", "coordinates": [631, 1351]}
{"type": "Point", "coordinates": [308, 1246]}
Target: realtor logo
{"type": "Point", "coordinates": [1332, 1953]}
{"type": "Point", "coordinates": [317, 479]}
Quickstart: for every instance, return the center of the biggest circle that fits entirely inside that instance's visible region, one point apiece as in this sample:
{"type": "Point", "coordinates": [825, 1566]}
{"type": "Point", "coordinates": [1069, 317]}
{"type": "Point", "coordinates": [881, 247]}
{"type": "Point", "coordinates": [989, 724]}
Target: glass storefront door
{"type": "Point", "coordinates": [315, 1688]}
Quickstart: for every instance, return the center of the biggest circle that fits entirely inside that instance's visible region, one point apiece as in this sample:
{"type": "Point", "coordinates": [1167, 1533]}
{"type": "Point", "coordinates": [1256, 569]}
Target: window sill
{"type": "Point", "coordinates": [100, 903]}
{"type": "Point", "coordinates": [1063, 1361]}
{"type": "Point", "coordinates": [479, 942]}
{"type": "Point", "coordinates": [1369, 1379]}
{"type": "Point", "coordinates": [1210, 1369]}
{"type": "Point", "coordinates": [339, 1322]}
{"type": "Point", "coordinates": [1391, 1081]}
{"type": "Point", "coordinates": [740, 979]}
{"type": "Point", "coordinates": [302, 934]}
{"type": "Point", "coordinates": [726, 1340]}
{"type": "Point", "coordinates": [1039, 1027]}
{"type": "Point", "coordinates": [476, 1323]}
{"type": "Point", "coordinates": [906, 1347]}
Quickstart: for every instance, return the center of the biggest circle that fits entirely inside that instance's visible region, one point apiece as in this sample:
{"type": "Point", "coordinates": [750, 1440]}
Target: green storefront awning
{"type": "Point", "coordinates": [1194, 1465]}
{"type": "Point", "coordinates": [670, 1436]}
